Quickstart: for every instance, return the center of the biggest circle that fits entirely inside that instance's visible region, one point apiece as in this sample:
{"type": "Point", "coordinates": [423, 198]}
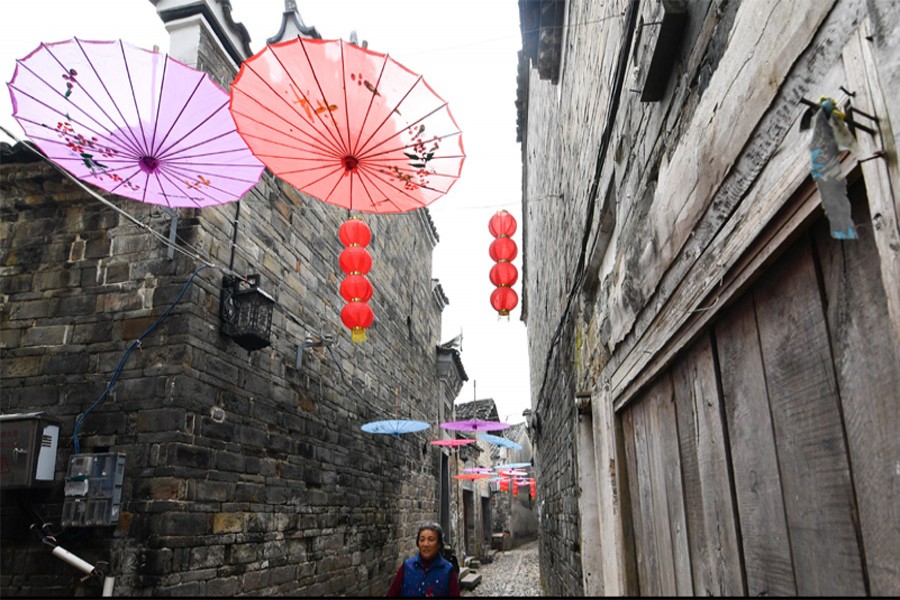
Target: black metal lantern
{"type": "Point", "coordinates": [246, 313]}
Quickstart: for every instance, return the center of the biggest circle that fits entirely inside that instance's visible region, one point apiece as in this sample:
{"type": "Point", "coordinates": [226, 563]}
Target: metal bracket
{"type": "Point", "coordinates": [319, 342]}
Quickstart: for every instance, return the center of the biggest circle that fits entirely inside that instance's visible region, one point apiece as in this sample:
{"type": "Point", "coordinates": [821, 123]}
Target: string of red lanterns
{"type": "Point", "coordinates": [356, 289]}
{"type": "Point", "coordinates": [503, 251]}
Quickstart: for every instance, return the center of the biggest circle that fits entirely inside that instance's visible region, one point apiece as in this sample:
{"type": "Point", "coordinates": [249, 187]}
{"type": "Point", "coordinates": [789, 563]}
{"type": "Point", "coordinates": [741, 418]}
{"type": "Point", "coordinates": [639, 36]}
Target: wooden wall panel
{"type": "Point", "coordinates": [635, 432]}
{"type": "Point", "coordinates": [812, 454]}
{"type": "Point", "coordinates": [715, 557]}
{"type": "Point", "coordinates": [866, 366]}
{"type": "Point", "coordinates": [764, 533]}
{"type": "Point", "coordinates": [657, 497]}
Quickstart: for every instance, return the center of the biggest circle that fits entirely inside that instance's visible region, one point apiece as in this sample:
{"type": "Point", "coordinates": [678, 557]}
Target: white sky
{"type": "Point", "coordinates": [466, 50]}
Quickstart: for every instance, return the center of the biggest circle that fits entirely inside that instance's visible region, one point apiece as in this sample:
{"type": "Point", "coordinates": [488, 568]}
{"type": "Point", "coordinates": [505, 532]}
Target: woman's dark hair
{"type": "Point", "coordinates": [432, 527]}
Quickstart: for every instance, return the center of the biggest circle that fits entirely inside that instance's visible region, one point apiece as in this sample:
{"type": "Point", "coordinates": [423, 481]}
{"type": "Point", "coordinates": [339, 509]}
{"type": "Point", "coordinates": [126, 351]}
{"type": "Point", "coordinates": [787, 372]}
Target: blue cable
{"type": "Point", "coordinates": [133, 345]}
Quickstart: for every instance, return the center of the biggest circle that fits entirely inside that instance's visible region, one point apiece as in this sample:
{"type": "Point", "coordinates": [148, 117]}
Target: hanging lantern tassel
{"type": "Point", "coordinates": [356, 289]}
{"type": "Point", "coordinates": [503, 251]}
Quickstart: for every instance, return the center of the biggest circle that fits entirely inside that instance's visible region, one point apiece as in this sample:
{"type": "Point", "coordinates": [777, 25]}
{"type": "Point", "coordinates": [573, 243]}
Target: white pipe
{"type": "Point", "coordinates": [81, 565]}
{"type": "Point", "coordinates": [85, 567]}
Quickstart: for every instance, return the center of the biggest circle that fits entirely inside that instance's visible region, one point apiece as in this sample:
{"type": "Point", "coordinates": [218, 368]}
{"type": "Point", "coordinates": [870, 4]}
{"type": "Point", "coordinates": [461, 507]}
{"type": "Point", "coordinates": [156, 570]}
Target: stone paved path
{"type": "Point", "coordinates": [512, 573]}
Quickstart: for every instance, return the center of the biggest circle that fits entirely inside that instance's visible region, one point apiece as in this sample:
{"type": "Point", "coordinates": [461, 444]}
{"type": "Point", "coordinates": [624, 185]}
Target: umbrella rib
{"type": "Point", "coordinates": [109, 135]}
{"type": "Point", "coordinates": [346, 108]}
{"type": "Point", "coordinates": [369, 151]}
{"type": "Point", "coordinates": [130, 143]}
{"type": "Point", "coordinates": [126, 132]}
{"type": "Point", "coordinates": [178, 151]}
{"type": "Point", "coordinates": [137, 111]}
{"type": "Point", "coordinates": [362, 126]}
{"type": "Point", "coordinates": [176, 185]}
{"type": "Point", "coordinates": [183, 172]}
{"type": "Point", "coordinates": [387, 118]}
{"type": "Point", "coordinates": [163, 151]}
{"type": "Point", "coordinates": [106, 133]}
{"type": "Point", "coordinates": [105, 136]}
{"type": "Point", "coordinates": [393, 149]}
{"type": "Point", "coordinates": [374, 176]}
{"type": "Point", "coordinates": [335, 150]}
{"type": "Point", "coordinates": [325, 135]}
{"type": "Point", "coordinates": [331, 134]}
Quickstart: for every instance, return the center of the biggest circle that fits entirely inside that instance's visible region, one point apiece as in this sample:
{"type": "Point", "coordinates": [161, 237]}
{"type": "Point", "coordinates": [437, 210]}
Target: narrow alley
{"type": "Point", "coordinates": [512, 573]}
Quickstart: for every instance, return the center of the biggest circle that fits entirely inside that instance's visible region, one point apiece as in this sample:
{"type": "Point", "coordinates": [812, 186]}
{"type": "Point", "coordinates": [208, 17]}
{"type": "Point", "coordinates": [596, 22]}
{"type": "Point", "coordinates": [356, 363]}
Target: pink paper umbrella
{"type": "Point", "coordinates": [452, 443]}
{"type": "Point", "coordinates": [475, 425]}
{"type": "Point", "coordinates": [133, 122]}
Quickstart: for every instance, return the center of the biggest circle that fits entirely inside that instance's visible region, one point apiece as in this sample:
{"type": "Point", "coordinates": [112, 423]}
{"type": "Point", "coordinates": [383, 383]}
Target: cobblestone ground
{"type": "Point", "coordinates": [512, 573]}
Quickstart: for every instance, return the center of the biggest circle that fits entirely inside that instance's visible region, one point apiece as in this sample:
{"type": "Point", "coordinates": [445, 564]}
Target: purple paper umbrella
{"type": "Point", "coordinates": [132, 122]}
{"type": "Point", "coordinates": [475, 425]}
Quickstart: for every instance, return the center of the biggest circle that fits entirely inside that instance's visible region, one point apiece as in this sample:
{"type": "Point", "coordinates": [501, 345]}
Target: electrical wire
{"type": "Point", "coordinates": [134, 344]}
{"type": "Point", "coordinates": [193, 253]}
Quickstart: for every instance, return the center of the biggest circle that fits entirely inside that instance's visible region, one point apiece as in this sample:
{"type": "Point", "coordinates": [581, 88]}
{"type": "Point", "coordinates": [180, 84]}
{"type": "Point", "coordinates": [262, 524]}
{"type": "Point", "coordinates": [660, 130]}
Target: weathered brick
{"type": "Point", "coordinates": [166, 419]}
{"type": "Point", "coordinates": [183, 524]}
{"type": "Point", "coordinates": [50, 335]}
{"type": "Point", "coordinates": [69, 363]}
{"type": "Point", "coordinates": [228, 523]}
{"type": "Point", "coordinates": [189, 456]}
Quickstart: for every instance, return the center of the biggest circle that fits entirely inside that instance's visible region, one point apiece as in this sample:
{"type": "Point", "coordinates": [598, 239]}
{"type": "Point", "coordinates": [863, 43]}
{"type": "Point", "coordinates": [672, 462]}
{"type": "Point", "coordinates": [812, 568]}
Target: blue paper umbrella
{"type": "Point", "coordinates": [395, 427]}
{"type": "Point", "coordinates": [499, 441]}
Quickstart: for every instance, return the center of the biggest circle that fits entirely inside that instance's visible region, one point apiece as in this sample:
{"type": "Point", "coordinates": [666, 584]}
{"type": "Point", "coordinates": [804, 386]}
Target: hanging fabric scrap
{"type": "Point", "coordinates": [826, 172]}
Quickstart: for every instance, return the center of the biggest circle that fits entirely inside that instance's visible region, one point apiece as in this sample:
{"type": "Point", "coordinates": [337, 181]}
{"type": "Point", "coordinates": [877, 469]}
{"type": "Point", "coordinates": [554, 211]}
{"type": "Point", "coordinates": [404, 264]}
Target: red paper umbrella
{"type": "Point", "coordinates": [347, 125]}
{"type": "Point", "coordinates": [504, 299]}
{"type": "Point", "coordinates": [472, 476]}
{"type": "Point", "coordinates": [453, 443]}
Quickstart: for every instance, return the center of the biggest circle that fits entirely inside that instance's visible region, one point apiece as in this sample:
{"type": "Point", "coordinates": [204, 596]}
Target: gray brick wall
{"type": "Point", "coordinates": [244, 474]}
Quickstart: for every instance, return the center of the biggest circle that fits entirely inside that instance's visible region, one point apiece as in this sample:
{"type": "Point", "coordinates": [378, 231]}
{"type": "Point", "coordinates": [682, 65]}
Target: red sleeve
{"type": "Point", "coordinates": [454, 584]}
{"type": "Point", "coordinates": [397, 584]}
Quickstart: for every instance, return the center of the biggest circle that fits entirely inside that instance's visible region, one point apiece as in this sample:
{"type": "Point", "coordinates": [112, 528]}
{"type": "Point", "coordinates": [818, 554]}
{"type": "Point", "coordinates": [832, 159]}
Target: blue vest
{"type": "Point", "coordinates": [431, 582]}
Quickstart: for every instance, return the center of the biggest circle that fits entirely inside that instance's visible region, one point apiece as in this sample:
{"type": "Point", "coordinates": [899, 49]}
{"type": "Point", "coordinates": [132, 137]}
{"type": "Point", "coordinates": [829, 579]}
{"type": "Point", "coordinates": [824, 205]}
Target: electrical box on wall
{"type": "Point", "coordinates": [93, 491]}
{"type": "Point", "coordinates": [28, 443]}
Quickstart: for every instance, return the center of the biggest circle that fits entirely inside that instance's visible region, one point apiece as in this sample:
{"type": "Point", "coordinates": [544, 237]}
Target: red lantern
{"type": "Point", "coordinates": [355, 260]}
{"type": "Point", "coordinates": [358, 317]}
{"type": "Point", "coordinates": [504, 273]}
{"type": "Point", "coordinates": [502, 224]}
{"type": "Point", "coordinates": [503, 251]}
{"type": "Point", "coordinates": [355, 232]}
{"type": "Point", "coordinates": [504, 299]}
{"type": "Point", "coordinates": [356, 289]}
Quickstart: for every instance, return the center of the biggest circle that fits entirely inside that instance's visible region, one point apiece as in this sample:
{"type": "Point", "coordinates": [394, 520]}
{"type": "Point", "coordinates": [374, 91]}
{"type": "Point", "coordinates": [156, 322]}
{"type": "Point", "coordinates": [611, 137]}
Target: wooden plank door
{"type": "Point", "coordinates": [866, 365]}
{"type": "Point", "coordinates": [804, 408]}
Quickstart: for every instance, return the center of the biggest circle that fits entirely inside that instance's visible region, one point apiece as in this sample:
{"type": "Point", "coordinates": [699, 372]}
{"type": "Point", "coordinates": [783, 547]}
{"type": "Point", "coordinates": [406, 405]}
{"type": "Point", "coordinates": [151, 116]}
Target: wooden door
{"type": "Point", "coordinates": [763, 461]}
